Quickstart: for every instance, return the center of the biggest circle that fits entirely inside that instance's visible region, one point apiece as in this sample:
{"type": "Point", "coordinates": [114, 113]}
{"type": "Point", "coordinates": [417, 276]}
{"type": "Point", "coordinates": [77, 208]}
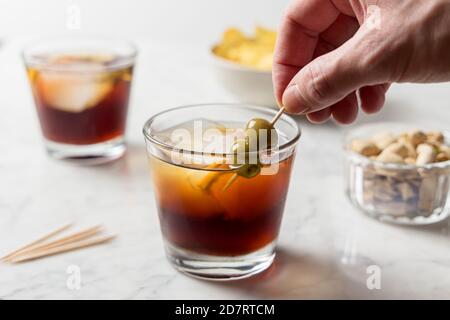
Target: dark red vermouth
{"type": "Point", "coordinates": [219, 235]}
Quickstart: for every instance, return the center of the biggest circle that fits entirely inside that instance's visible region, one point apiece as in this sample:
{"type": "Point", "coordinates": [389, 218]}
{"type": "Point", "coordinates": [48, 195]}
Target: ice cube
{"type": "Point", "coordinates": [202, 180]}
{"type": "Point", "coordinates": [72, 92]}
{"type": "Point", "coordinates": [201, 135]}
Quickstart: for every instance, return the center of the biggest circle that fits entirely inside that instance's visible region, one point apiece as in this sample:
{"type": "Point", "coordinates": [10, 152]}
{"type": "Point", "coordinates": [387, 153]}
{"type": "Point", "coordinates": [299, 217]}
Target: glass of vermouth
{"type": "Point", "coordinates": [81, 88]}
{"type": "Point", "coordinates": [220, 206]}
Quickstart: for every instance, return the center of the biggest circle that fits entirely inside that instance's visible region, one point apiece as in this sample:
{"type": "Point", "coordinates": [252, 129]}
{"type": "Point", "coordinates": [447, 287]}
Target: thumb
{"type": "Point", "coordinates": [331, 77]}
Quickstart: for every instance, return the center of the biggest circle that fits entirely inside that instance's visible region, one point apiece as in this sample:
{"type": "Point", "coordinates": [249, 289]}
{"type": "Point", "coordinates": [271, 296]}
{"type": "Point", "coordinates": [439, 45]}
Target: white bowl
{"type": "Point", "coordinates": [246, 84]}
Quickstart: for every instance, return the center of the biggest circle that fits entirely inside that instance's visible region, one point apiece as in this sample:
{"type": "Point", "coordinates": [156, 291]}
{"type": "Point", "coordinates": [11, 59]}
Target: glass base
{"type": "Point", "coordinates": [220, 268]}
{"type": "Point", "coordinates": [92, 154]}
{"type": "Point", "coordinates": [436, 217]}
{"type": "Point", "coordinates": [412, 219]}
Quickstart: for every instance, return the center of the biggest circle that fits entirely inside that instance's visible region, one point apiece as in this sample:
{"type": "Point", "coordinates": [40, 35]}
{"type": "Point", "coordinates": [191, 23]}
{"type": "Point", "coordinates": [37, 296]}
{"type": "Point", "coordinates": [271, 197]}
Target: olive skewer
{"type": "Point", "coordinates": [251, 170]}
{"type": "Point", "coordinates": [277, 116]}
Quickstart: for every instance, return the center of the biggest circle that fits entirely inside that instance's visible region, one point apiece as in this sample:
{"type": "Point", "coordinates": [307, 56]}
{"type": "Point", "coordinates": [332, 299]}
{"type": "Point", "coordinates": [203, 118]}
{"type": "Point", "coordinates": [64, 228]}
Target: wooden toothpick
{"type": "Point", "coordinates": [81, 235]}
{"type": "Point", "coordinates": [36, 242]}
{"type": "Point", "coordinates": [230, 181]}
{"type": "Point", "coordinates": [277, 116]}
{"type": "Point", "coordinates": [63, 248]}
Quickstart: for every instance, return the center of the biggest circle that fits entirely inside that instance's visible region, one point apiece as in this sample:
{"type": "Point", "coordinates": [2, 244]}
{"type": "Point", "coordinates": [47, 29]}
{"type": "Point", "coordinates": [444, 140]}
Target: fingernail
{"type": "Point", "coordinates": [293, 100]}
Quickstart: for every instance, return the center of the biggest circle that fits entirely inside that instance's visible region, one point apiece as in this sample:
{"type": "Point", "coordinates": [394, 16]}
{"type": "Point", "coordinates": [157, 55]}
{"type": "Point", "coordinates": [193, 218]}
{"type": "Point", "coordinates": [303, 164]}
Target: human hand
{"type": "Point", "coordinates": [328, 50]}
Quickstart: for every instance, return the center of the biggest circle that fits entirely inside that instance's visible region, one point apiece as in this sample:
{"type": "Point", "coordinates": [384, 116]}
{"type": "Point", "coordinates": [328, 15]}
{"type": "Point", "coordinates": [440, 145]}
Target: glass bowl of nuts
{"type": "Point", "coordinates": [398, 173]}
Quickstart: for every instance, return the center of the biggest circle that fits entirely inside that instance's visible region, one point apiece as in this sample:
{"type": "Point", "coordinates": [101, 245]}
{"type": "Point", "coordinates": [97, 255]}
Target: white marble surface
{"type": "Point", "coordinates": [325, 244]}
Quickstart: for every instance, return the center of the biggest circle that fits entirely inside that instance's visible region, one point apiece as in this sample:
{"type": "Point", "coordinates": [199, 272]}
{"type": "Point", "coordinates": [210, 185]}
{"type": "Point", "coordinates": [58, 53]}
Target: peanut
{"type": "Point", "coordinates": [411, 150]}
{"type": "Point", "coordinates": [444, 149]}
{"type": "Point", "coordinates": [416, 137]}
{"type": "Point", "coordinates": [406, 191]}
{"type": "Point", "coordinates": [435, 136]}
{"type": "Point", "coordinates": [365, 147]}
{"type": "Point", "coordinates": [384, 139]}
{"type": "Point", "coordinates": [427, 194]}
{"type": "Point", "coordinates": [390, 157]}
{"type": "Point", "coordinates": [397, 148]}
{"type": "Point", "coordinates": [414, 147]}
{"type": "Point", "coordinates": [441, 157]}
{"type": "Point", "coordinates": [425, 154]}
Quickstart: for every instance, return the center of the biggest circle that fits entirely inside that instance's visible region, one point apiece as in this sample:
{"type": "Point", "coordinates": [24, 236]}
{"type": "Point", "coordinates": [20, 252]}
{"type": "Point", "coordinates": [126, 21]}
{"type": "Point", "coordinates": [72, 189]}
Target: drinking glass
{"type": "Point", "coordinates": [81, 87]}
{"type": "Point", "coordinates": [216, 223]}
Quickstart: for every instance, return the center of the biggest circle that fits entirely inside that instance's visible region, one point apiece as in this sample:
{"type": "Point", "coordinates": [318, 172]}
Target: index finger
{"type": "Point", "coordinates": [298, 35]}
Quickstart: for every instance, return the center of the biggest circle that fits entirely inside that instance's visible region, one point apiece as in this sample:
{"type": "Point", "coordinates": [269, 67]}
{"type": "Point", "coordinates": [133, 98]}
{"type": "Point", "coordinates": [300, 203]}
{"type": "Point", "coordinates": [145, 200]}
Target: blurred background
{"type": "Point", "coordinates": [174, 39]}
{"type": "Point", "coordinates": [173, 21]}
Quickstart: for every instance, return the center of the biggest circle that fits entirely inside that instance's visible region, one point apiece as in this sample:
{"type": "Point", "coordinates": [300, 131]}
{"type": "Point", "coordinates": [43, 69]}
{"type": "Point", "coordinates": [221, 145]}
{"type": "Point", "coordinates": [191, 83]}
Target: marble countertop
{"type": "Point", "coordinates": [325, 246]}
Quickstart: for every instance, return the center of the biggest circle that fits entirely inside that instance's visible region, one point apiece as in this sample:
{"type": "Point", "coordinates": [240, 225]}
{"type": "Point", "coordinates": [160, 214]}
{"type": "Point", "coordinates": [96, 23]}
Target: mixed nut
{"type": "Point", "coordinates": [414, 147]}
{"type": "Point", "coordinates": [401, 191]}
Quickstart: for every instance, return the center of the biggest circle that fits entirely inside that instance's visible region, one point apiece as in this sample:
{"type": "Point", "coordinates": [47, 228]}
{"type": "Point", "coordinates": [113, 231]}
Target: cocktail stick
{"type": "Point", "coordinates": [81, 235]}
{"type": "Point", "coordinates": [36, 242]}
{"type": "Point", "coordinates": [230, 181]}
{"type": "Point", "coordinates": [63, 248]}
{"type": "Point", "coordinates": [277, 116]}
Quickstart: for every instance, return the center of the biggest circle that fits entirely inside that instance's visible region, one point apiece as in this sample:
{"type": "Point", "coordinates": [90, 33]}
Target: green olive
{"type": "Point", "coordinates": [258, 124]}
{"type": "Point", "coordinates": [261, 128]}
{"type": "Point", "coordinates": [249, 171]}
{"type": "Point", "coordinates": [243, 152]}
{"type": "Point", "coordinates": [241, 159]}
{"type": "Point", "coordinates": [240, 151]}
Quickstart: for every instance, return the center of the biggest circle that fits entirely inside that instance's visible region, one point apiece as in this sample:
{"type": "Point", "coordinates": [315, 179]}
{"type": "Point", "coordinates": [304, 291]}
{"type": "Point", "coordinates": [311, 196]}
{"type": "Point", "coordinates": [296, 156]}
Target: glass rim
{"type": "Point", "coordinates": [33, 60]}
{"type": "Point", "coordinates": [290, 143]}
{"type": "Point", "coordinates": [384, 165]}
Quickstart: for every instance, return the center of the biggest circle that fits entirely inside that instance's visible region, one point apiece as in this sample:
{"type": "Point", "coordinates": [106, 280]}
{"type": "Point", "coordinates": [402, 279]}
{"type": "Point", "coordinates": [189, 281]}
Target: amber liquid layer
{"type": "Point", "coordinates": [237, 221]}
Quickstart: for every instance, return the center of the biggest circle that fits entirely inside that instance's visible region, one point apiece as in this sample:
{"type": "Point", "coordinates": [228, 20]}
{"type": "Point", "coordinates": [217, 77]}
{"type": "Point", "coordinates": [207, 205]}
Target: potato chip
{"type": "Point", "coordinates": [232, 36]}
{"type": "Point", "coordinates": [255, 52]}
{"type": "Point", "coordinates": [265, 36]}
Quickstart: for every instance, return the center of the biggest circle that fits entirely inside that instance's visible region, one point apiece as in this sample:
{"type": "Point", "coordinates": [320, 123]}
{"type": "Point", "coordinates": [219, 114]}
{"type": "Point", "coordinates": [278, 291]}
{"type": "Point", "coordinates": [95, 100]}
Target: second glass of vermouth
{"type": "Point", "coordinates": [219, 219]}
{"type": "Point", "coordinates": [81, 88]}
